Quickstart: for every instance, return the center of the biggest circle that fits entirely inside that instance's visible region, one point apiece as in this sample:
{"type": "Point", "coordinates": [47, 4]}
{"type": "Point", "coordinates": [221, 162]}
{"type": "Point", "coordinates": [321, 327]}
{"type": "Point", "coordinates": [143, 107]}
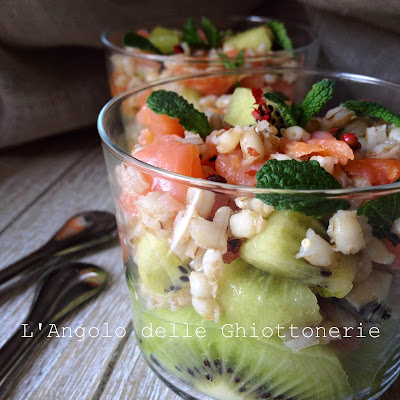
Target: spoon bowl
{"type": "Point", "coordinates": [60, 291]}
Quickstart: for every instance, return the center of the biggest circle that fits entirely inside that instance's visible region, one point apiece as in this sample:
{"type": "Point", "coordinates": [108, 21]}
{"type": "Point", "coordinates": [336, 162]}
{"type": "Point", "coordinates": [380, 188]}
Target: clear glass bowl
{"type": "Point", "coordinates": [129, 68]}
{"type": "Point", "coordinates": [186, 270]}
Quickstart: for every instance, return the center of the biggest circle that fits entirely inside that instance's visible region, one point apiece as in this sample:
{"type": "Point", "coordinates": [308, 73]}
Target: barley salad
{"type": "Point", "coordinates": [141, 54]}
{"type": "Point", "coordinates": [260, 230]}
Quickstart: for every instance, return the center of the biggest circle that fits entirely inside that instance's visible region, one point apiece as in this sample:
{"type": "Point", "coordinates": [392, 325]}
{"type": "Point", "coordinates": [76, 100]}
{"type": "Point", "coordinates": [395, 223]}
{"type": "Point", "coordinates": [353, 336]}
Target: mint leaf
{"type": "Point", "coordinates": [298, 175]}
{"type": "Point", "coordinates": [295, 110]}
{"type": "Point", "coordinates": [373, 110]}
{"type": "Point", "coordinates": [132, 39]}
{"type": "Point", "coordinates": [315, 100]}
{"type": "Point", "coordinates": [232, 62]}
{"type": "Point", "coordinates": [295, 175]}
{"type": "Point", "coordinates": [283, 108]}
{"type": "Point", "coordinates": [175, 106]}
{"type": "Point", "coordinates": [281, 37]}
{"type": "Point", "coordinates": [210, 31]}
{"type": "Point", "coordinates": [191, 37]}
{"type": "Point", "coordinates": [381, 213]}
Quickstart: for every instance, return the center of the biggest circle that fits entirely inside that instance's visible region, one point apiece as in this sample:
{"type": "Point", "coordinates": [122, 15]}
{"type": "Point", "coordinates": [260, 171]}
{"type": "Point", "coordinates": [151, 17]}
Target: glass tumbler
{"type": "Point", "coordinates": [222, 306]}
{"type": "Point", "coordinates": [129, 67]}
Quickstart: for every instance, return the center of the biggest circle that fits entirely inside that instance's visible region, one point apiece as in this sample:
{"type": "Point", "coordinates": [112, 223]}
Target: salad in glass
{"type": "Point", "coordinates": [141, 54]}
{"type": "Point", "coordinates": [260, 232]}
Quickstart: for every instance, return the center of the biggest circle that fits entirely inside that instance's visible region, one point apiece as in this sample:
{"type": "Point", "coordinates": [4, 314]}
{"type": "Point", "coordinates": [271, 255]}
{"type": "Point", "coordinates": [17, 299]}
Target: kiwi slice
{"type": "Point", "coordinates": [276, 118]}
{"type": "Point", "coordinates": [239, 368]}
{"type": "Point", "coordinates": [240, 108]}
{"type": "Point", "coordinates": [274, 249]}
{"type": "Point", "coordinates": [251, 39]}
{"type": "Point", "coordinates": [159, 269]}
{"type": "Point", "coordinates": [165, 39]}
{"type": "Point", "coordinates": [248, 295]}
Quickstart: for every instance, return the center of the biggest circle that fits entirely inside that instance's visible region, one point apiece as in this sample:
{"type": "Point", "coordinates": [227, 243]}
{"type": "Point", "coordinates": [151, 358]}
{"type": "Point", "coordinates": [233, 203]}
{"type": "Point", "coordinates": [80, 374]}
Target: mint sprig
{"type": "Point", "coordinates": [295, 110]}
{"type": "Point", "coordinates": [370, 109]}
{"type": "Point", "coordinates": [313, 103]}
{"type": "Point", "coordinates": [287, 114]}
{"type": "Point", "coordinates": [315, 100]}
{"type": "Point", "coordinates": [191, 36]}
{"type": "Point", "coordinates": [133, 39]}
{"type": "Point", "coordinates": [175, 106]}
{"type": "Point", "coordinates": [381, 213]}
{"type": "Point", "coordinates": [281, 37]}
{"type": "Point", "coordinates": [232, 62]}
{"type": "Point", "coordinates": [298, 175]}
{"type": "Point", "coordinates": [210, 31]}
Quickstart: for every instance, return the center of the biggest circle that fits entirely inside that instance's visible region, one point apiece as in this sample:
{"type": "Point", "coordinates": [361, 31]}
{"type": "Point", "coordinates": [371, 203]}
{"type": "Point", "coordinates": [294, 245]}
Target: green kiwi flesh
{"type": "Point", "coordinates": [248, 295]}
{"type": "Point", "coordinates": [251, 38]}
{"type": "Point", "coordinates": [274, 249]}
{"type": "Point", "coordinates": [165, 39]}
{"type": "Point", "coordinates": [240, 368]}
{"type": "Point", "coordinates": [276, 117]}
{"type": "Point", "coordinates": [240, 108]}
{"type": "Point", "coordinates": [160, 270]}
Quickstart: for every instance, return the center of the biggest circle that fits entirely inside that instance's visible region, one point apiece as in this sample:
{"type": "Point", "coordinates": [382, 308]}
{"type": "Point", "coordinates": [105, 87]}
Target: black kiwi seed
{"type": "Point", "coordinates": [326, 273]}
{"type": "Point", "coordinates": [278, 113]}
{"type": "Point", "coordinates": [270, 107]}
{"type": "Point", "coordinates": [184, 278]}
{"type": "Point", "coordinates": [212, 159]}
{"type": "Point", "coordinates": [243, 385]}
{"type": "Point", "coordinates": [374, 312]}
{"type": "Point", "coordinates": [273, 120]}
{"type": "Point", "coordinates": [183, 269]}
{"type": "Point", "coordinates": [174, 287]}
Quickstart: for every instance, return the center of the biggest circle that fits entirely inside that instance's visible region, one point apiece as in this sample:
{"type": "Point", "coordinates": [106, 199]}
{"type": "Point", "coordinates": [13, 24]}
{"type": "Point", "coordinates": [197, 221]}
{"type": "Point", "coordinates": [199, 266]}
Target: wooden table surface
{"type": "Point", "coordinates": [41, 185]}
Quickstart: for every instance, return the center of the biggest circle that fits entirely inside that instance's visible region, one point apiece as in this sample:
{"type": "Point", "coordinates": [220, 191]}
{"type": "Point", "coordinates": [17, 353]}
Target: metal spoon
{"type": "Point", "coordinates": [62, 289]}
{"type": "Point", "coordinates": [82, 231]}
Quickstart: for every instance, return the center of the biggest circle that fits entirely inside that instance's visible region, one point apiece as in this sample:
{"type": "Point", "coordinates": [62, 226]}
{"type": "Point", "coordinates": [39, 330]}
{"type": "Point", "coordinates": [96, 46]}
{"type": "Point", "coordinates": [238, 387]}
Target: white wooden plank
{"type": "Point", "coordinates": [132, 378]}
{"type": "Point", "coordinates": [64, 368]}
{"type": "Point", "coordinates": [26, 172]}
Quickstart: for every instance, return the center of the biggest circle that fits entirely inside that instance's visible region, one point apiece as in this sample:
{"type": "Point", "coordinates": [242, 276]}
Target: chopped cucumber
{"type": "Point", "coordinates": [165, 39]}
{"type": "Point", "coordinates": [251, 39]}
{"type": "Point", "coordinates": [240, 108]}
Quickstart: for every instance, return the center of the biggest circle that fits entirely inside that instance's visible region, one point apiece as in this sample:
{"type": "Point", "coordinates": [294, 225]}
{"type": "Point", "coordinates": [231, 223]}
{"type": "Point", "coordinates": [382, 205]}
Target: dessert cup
{"type": "Point", "coordinates": [130, 67]}
{"type": "Point", "coordinates": [216, 312]}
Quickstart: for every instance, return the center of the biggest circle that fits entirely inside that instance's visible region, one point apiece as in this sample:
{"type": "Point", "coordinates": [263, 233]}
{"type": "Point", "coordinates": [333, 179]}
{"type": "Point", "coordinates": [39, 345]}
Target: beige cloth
{"type": "Point", "coordinates": [52, 74]}
{"type": "Point", "coordinates": [359, 36]}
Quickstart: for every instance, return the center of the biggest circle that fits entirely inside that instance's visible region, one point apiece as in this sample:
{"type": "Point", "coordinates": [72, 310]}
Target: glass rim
{"type": "Point", "coordinates": [194, 60]}
{"type": "Point", "coordinates": [227, 187]}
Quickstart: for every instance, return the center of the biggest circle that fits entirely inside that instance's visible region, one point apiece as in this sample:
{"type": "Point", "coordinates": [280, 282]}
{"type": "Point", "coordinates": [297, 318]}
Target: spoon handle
{"type": "Point", "coordinates": [16, 347]}
{"type": "Point", "coordinates": [24, 264]}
